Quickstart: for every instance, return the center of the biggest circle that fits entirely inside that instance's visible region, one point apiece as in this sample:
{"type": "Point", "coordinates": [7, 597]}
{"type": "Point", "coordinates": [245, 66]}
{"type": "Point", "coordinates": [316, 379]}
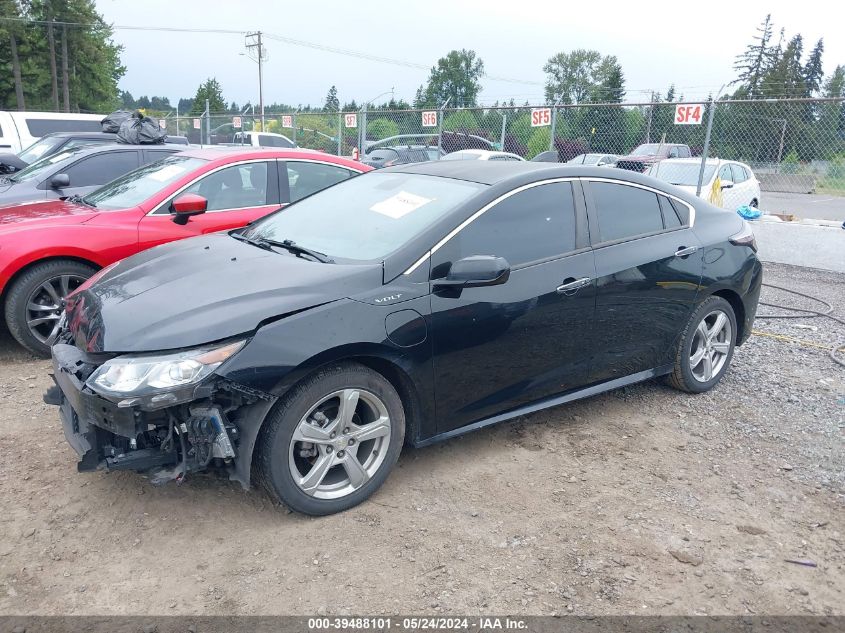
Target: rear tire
{"type": "Point", "coordinates": [332, 441]}
{"type": "Point", "coordinates": [706, 347]}
{"type": "Point", "coordinates": [32, 309]}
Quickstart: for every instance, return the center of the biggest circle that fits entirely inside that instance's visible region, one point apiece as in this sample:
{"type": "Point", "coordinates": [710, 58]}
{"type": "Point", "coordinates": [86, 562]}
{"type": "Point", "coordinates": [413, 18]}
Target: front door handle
{"type": "Point", "coordinates": [571, 285]}
{"type": "Point", "coordinates": [683, 251]}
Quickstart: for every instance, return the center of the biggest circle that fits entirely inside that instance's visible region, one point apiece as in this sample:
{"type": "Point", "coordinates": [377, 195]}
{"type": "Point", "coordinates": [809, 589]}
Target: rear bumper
{"type": "Point", "coordinates": [751, 300]}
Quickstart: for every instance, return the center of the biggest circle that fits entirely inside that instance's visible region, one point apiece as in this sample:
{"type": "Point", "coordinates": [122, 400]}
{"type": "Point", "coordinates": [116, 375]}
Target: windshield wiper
{"type": "Point", "coordinates": [77, 199]}
{"type": "Point", "coordinates": [289, 245]}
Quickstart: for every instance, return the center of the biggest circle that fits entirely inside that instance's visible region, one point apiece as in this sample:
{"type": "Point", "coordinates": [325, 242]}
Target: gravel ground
{"type": "Point", "coordinates": [643, 500]}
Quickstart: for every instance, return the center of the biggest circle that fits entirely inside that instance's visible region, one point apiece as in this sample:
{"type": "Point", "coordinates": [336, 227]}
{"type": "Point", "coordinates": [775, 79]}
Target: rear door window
{"type": "Point", "coordinates": [307, 178]}
{"type": "Point", "coordinates": [739, 174]}
{"type": "Point", "coordinates": [101, 168]}
{"type": "Point", "coordinates": [624, 211]}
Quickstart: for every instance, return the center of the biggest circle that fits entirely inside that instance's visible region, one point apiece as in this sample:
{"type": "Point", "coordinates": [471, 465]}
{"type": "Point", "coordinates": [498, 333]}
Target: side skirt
{"type": "Point", "coordinates": [546, 403]}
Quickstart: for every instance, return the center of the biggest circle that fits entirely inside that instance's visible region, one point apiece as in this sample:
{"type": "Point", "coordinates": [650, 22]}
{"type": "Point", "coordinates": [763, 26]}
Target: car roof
{"type": "Point", "coordinates": [697, 160]}
{"type": "Point", "coordinates": [105, 135]}
{"type": "Point", "coordinates": [87, 150]}
{"type": "Point", "coordinates": [227, 153]}
{"type": "Point", "coordinates": [495, 172]}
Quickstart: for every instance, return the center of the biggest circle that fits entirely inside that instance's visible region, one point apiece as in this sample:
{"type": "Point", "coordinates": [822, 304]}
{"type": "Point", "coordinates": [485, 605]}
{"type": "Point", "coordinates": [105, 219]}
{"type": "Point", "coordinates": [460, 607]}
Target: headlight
{"type": "Point", "coordinates": [142, 374]}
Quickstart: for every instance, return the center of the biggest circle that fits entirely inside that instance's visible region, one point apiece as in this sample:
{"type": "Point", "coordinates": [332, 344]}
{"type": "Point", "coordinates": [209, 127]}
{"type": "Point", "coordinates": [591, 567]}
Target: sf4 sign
{"type": "Point", "coordinates": [541, 117]}
{"type": "Point", "coordinates": [429, 119]}
{"type": "Point", "coordinates": [287, 121]}
{"type": "Point", "coordinates": [688, 114]}
{"type": "Point", "coordinates": [350, 120]}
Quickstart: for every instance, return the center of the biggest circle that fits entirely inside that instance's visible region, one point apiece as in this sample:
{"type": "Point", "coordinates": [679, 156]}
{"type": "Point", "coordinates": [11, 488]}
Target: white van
{"type": "Point", "coordinates": [19, 130]}
{"type": "Point", "coordinates": [261, 139]}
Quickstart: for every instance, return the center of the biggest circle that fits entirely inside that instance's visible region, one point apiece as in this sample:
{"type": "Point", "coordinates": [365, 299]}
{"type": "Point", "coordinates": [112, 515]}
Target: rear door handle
{"type": "Point", "coordinates": [683, 251]}
{"type": "Point", "coordinates": [571, 285]}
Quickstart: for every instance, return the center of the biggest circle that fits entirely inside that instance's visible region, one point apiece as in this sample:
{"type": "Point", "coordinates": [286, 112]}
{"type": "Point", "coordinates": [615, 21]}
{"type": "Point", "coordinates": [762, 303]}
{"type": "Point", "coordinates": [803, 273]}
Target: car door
{"type": "Point", "coordinates": [237, 194]}
{"type": "Point", "coordinates": [499, 347]}
{"type": "Point", "coordinates": [92, 172]}
{"type": "Point", "coordinates": [648, 267]}
{"type": "Point", "coordinates": [300, 178]}
{"type": "Point", "coordinates": [743, 186]}
{"type": "Point", "coordinates": [731, 191]}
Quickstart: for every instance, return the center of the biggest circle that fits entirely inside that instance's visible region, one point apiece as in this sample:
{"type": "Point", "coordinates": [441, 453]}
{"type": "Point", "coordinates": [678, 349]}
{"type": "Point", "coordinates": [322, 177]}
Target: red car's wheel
{"type": "Point", "coordinates": [34, 302]}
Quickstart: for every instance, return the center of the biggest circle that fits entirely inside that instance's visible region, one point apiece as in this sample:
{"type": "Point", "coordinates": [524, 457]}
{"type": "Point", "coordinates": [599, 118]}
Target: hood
{"type": "Point", "coordinates": [201, 290]}
{"type": "Point", "coordinates": [44, 211]}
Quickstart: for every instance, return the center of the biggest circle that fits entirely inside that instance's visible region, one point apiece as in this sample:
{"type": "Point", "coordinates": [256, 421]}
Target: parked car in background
{"type": "Point", "coordinates": [599, 160]}
{"type": "Point", "coordinates": [737, 184]}
{"type": "Point", "coordinates": [648, 154]}
{"type": "Point", "coordinates": [482, 154]}
{"type": "Point", "coordinates": [21, 129]}
{"type": "Point", "coordinates": [303, 352]}
{"type": "Point", "coordinates": [78, 171]}
{"type": "Point", "coordinates": [49, 248]}
{"type": "Point", "coordinates": [390, 156]}
{"type": "Point", "coordinates": [54, 143]}
{"type": "Point", "coordinates": [260, 139]}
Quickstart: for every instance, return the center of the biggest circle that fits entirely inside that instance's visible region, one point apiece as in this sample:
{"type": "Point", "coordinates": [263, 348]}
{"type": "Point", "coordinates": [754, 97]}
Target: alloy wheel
{"type": "Point", "coordinates": [711, 345]}
{"type": "Point", "coordinates": [44, 306]}
{"type": "Point", "coordinates": [340, 444]}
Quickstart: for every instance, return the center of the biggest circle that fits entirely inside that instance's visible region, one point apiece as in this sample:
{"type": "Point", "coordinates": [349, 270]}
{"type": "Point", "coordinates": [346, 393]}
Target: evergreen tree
{"type": "Point", "coordinates": [332, 102]}
{"type": "Point", "coordinates": [209, 89]}
{"type": "Point", "coordinates": [455, 78]}
{"type": "Point", "coordinates": [813, 73]}
{"type": "Point", "coordinates": [755, 62]}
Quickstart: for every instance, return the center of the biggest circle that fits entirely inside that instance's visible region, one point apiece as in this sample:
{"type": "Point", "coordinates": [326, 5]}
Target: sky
{"type": "Point", "coordinates": [690, 44]}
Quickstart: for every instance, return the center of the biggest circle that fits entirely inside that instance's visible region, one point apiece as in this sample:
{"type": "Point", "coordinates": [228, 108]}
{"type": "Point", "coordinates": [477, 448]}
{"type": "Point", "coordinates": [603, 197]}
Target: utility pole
{"type": "Point", "coordinates": [253, 41]}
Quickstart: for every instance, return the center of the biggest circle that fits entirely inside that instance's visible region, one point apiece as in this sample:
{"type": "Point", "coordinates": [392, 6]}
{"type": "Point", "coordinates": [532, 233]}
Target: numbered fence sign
{"type": "Point", "coordinates": [162, 123]}
{"type": "Point", "coordinates": [236, 122]}
{"type": "Point", "coordinates": [541, 117]}
{"type": "Point", "coordinates": [350, 120]}
{"type": "Point", "coordinates": [196, 124]}
{"type": "Point", "coordinates": [287, 121]}
{"type": "Point", "coordinates": [429, 119]}
{"type": "Point", "coordinates": [688, 114]}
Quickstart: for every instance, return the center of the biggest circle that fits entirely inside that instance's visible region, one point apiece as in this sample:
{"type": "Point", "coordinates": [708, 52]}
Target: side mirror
{"type": "Point", "coordinates": [187, 205]}
{"type": "Point", "coordinates": [476, 271]}
{"type": "Point", "coordinates": [727, 184]}
{"type": "Point", "coordinates": [60, 181]}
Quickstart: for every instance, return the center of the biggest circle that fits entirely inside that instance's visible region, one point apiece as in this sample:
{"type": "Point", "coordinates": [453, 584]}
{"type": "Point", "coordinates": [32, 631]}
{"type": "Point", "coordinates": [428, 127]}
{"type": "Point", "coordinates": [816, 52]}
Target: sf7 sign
{"type": "Point", "coordinates": [541, 117]}
{"type": "Point", "coordinates": [688, 114]}
{"type": "Point", "coordinates": [350, 120]}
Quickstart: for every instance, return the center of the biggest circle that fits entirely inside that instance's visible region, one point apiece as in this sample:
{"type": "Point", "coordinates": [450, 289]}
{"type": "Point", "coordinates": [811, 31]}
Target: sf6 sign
{"type": "Point", "coordinates": [688, 114]}
{"type": "Point", "coordinates": [429, 119]}
{"type": "Point", "coordinates": [541, 117]}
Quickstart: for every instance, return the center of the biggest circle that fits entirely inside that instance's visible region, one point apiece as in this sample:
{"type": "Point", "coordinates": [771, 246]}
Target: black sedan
{"type": "Point", "coordinates": [407, 305]}
{"type": "Point", "coordinates": [78, 171]}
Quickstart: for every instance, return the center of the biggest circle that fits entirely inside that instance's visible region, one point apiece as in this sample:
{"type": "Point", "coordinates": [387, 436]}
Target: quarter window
{"type": "Point", "coordinates": [235, 187]}
{"type": "Point", "coordinates": [307, 178]}
{"type": "Point", "coordinates": [625, 211]}
{"type": "Point", "coordinates": [102, 168]}
{"type": "Point", "coordinates": [537, 223]}
{"type": "Point", "coordinates": [670, 217]}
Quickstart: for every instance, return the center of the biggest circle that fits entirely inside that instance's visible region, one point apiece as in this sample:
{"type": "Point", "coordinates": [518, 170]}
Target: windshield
{"type": "Point", "coordinates": [649, 149]}
{"type": "Point", "coordinates": [136, 186]}
{"type": "Point", "coordinates": [38, 168]}
{"type": "Point", "coordinates": [39, 148]}
{"type": "Point", "coordinates": [684, 174]}
{"type": "Point", "coordinates": [367, 217]}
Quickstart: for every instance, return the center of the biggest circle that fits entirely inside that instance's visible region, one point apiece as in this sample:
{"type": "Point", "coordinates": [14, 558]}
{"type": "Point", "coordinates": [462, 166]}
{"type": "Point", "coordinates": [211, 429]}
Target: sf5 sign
{"type": "Point", "coordinates": [541, 117]}
{"type": "Point", "coordinates": [688, 114]}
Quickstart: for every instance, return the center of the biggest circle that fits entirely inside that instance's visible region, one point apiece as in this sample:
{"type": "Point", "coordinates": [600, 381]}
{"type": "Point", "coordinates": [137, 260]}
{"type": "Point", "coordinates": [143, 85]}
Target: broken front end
{"type": "Point", "coordinates": [164, 415]}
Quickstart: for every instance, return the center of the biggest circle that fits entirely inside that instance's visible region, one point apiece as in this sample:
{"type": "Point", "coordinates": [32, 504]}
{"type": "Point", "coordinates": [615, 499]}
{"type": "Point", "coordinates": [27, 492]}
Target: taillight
{"type": "Point", "coordinates": [745, 238]}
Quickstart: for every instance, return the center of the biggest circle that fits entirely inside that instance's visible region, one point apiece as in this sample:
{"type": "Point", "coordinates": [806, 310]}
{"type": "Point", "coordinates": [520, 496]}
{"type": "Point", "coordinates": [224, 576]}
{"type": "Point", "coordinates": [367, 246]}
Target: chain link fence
{"type": "Point", "coordinates": [793, 145]}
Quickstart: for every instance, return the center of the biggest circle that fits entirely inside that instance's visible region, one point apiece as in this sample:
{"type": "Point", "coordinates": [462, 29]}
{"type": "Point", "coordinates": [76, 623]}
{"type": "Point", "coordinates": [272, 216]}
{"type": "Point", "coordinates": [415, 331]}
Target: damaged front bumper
{"type": "Point", "coordinates": [213, 425]}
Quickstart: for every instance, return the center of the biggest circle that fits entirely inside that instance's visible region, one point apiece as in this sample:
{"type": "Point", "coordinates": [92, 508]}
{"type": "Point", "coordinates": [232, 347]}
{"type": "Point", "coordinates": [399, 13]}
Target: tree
{"type": "Point", "coordinates": [11, 32]}
{"type": "Point", "coordinates": [455, 78]}
{"type": "Point", "coordinates": [209, 89]}
{"type": "Point", "coordinates": [579, 76]}
{"type": "Point", "coordinates": [127, 101]}
{"type": "Point", "coordinates": [332, 102]}
{"type": "Point", "coordinates": [143, 102]}
{"type": "Point", "coordinates": [756, 61]}
{"type": "Point", "coordinates": [813, 73]}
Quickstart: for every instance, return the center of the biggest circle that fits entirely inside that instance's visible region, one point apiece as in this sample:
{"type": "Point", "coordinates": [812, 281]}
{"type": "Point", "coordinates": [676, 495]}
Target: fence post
{"type": "Point", "coordinates": [362, 130]}
{"type": "Point", "coordinates": [440, 127]}
{"type": "Point", "coordinates": [648, 124]}
{"type": "Point", "coordinates": [339, 131]}
{"type": "Point", "coordinates": [706, 149]}
{"type": "Point", "coordinates": [207, 124]}
{"type": "Point", "coordinates": [293, 128]}
{"type": "Point", "coordinates": [504, 127]}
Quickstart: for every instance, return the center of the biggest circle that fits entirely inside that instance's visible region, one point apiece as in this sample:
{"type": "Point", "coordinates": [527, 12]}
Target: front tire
{"type": "Point", "coordinates": [34, 302]}
{"type": "Point", "coordinates": [332, 441]}
{"type": "Point", "coordinates": [706, 348]}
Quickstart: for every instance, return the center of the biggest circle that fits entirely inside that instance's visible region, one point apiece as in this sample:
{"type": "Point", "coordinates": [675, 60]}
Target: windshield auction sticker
{"type": "Point", "coordinates": [399, 205]}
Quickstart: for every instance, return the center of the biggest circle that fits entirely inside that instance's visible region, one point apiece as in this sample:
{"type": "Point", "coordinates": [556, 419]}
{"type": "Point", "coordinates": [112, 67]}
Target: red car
{"type": "Point", "coordinates": [47, 249]}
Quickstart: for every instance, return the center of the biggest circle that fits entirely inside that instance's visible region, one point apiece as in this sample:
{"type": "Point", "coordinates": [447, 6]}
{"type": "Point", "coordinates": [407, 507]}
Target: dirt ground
{"type": "Point", "coordinates": [643, 500]}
